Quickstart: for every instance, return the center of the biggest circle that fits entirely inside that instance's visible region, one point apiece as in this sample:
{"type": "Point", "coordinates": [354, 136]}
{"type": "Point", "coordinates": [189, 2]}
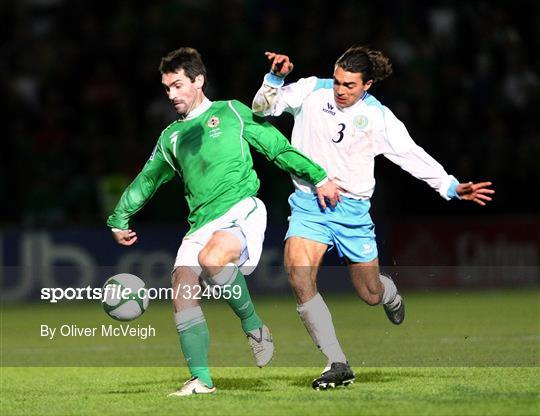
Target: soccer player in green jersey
{"type": "Point", "coordinates": [208, 147]}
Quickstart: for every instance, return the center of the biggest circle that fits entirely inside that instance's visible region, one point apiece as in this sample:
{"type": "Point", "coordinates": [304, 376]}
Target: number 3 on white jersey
{"type": "Point", "coordinates": [340, 133]}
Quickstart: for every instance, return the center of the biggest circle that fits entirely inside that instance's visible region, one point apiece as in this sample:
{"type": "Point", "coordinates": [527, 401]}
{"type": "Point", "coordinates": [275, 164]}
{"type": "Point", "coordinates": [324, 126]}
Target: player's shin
{"type": "Point", "coordinates": [194, 340]}
{"type": "Point", "coordinates": [318, 321]}
{"type": "Point", "coordinates": [240, 299]}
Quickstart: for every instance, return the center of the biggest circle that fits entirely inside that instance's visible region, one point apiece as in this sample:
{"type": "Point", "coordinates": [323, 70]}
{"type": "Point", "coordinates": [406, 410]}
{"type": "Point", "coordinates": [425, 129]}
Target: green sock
{"type": "Point", "coordinates": [243, 306]}
{"type": "Point", "coordinates": [194, 340]}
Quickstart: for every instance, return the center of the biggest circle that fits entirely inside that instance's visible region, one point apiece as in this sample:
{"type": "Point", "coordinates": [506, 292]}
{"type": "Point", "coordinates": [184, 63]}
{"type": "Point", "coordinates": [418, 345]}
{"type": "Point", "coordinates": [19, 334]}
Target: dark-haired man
{"type": "Point", "coordinates": [208, 147]}
{"type": "Point", "coordinates": [342, 127]}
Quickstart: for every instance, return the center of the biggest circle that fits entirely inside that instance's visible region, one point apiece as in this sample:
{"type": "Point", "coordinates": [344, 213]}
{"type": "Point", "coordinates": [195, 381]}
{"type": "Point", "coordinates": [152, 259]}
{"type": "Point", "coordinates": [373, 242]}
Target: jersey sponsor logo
{"type": "Point", "coordinates": [213, 122]}
{"type": "Point", "coordinates": [329, 109]}
{"type": "Point", "coordinates": [360, 122]}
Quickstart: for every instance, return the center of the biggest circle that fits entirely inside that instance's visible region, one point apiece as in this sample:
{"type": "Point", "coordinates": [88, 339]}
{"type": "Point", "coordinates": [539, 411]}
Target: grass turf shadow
{"type": "Point", "coordinates": [262, 383]}
{"type": "Point", "coordinates": [378, 376]}
{"type": "Point", "coordinates": [268, 383]}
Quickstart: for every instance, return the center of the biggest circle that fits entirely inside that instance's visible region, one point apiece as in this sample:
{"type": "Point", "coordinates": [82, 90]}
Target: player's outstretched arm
{"type": "Point", "coordinates": [124, 237]}
{"type": "Point", "coordinates": [157, 171]}
{"type": "Point", "coordinates": [280, 64]}
{"type": "Point", "coordinates": [477, 192]}
{"type": "Point", "coordinates": [266, 98]}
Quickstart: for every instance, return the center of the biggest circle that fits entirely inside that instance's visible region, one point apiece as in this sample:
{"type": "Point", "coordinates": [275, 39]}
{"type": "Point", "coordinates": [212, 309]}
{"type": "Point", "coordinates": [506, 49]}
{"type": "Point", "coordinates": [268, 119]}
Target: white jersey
{"type": "Point", "coordinates": [345, 141]}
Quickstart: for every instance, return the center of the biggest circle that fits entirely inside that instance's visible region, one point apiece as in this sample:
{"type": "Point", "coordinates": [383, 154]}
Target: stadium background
{"type": "Point", "coordinates": [83, 106]}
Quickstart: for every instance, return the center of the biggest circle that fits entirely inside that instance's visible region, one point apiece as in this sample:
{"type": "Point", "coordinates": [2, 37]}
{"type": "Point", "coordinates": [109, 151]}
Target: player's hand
{"type": "Point", "coordinates": [279, 64]}
{"type": "Point", "coordinates": [125, 237]}
{"type": "Point", "coordinates": [328, 191]}
{"type": "Point", "coordinates": [476, 192]}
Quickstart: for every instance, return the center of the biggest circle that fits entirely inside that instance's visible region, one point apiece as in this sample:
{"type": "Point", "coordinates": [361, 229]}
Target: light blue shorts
{"type": "Point", "coordinates": [348, 226]}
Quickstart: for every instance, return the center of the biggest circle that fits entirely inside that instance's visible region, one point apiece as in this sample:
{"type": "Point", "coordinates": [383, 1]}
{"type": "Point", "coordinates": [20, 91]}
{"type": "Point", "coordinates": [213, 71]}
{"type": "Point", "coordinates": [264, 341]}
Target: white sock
{"type": "Point", "coordinates": [318, 321]}
{"type": "Point", "coordinates": [187, 318]}
{"type": "Point", "coordinates": [389, 297]}
{"type": "Point", "coordinates": [226, 276]}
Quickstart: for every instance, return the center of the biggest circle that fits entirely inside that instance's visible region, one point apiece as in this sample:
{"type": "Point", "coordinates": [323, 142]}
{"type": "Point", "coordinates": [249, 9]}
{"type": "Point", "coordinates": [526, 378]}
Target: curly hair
{"type": "Point", "coordinates": [372, 64]}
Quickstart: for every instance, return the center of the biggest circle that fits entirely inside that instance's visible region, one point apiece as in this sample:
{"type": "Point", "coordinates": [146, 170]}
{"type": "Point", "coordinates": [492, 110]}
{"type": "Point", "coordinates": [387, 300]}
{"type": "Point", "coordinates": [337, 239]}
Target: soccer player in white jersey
{"type": "Point", "coordinates": [339, 125]}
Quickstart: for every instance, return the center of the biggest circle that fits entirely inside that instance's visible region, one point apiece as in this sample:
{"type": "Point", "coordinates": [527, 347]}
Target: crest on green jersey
{"type": "Point", "coordinates": [213, 122]}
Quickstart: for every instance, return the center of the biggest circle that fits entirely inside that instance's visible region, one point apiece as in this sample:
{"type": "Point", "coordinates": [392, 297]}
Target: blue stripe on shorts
{"type": "Point", "coordinates": [348, 226]}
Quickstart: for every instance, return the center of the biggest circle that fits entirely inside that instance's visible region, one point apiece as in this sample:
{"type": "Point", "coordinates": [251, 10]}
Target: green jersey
{"type": "Point", "coordinates": [209, 150]}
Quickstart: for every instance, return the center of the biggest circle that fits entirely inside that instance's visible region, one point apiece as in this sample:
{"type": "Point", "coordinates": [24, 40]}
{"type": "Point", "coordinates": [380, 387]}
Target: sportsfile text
{"type": "Point", "coordinates": [55, 294]}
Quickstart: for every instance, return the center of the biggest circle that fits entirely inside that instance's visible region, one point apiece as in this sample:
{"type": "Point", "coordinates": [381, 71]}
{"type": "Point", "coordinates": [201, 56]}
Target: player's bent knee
{"type": "Point", "coordinates": [209, 258]}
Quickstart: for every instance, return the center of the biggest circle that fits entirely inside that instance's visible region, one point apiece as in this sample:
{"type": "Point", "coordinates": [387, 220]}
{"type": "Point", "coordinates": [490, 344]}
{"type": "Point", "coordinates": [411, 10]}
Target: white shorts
{"type": "Point", "coordinates": [247, 216]}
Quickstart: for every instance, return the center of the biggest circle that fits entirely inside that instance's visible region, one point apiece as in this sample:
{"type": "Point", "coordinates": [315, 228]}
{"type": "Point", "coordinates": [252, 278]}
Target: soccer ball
{"type": "Point", "coordinates": [123, 298]}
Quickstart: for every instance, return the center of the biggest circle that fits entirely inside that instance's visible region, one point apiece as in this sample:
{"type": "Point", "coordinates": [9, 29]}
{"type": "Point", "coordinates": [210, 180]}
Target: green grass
{"type": "Point", "coordinates": [272, 391]}
{"type": "Point", "coordinates": [467, 353]}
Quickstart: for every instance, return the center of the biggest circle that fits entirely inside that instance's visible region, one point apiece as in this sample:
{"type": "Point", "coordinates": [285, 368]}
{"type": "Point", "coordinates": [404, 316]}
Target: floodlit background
{"type": "Point", "coordinates": [83, 107]}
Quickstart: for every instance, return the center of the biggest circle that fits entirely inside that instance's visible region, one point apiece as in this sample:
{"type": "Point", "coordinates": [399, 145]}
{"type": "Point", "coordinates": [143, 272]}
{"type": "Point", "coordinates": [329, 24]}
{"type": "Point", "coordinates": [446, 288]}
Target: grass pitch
{"type": "Point", "coordinates": [467, 353]}
{"type": "Point", "coordinates": [273, 391]}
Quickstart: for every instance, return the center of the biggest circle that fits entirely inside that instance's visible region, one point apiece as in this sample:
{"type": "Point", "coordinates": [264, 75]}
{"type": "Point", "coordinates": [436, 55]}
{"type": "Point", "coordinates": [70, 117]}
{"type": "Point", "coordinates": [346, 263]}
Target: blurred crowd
{"type": "Point", "coordinates": [83, 101]}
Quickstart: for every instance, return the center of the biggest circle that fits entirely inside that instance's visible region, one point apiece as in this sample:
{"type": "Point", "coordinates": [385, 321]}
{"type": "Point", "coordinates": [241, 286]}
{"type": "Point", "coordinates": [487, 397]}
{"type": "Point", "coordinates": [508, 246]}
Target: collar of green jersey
{"type": "Point", "coordinates": [197, 111]}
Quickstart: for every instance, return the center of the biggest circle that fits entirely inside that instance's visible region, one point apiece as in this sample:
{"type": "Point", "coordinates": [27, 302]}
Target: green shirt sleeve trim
{"type": "Point", "coordinates": [229, 103]}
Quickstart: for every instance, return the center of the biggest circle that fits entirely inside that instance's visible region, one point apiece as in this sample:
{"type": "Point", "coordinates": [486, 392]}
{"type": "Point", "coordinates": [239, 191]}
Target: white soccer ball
{"type": "Point", "coordinates": [125, 297]}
